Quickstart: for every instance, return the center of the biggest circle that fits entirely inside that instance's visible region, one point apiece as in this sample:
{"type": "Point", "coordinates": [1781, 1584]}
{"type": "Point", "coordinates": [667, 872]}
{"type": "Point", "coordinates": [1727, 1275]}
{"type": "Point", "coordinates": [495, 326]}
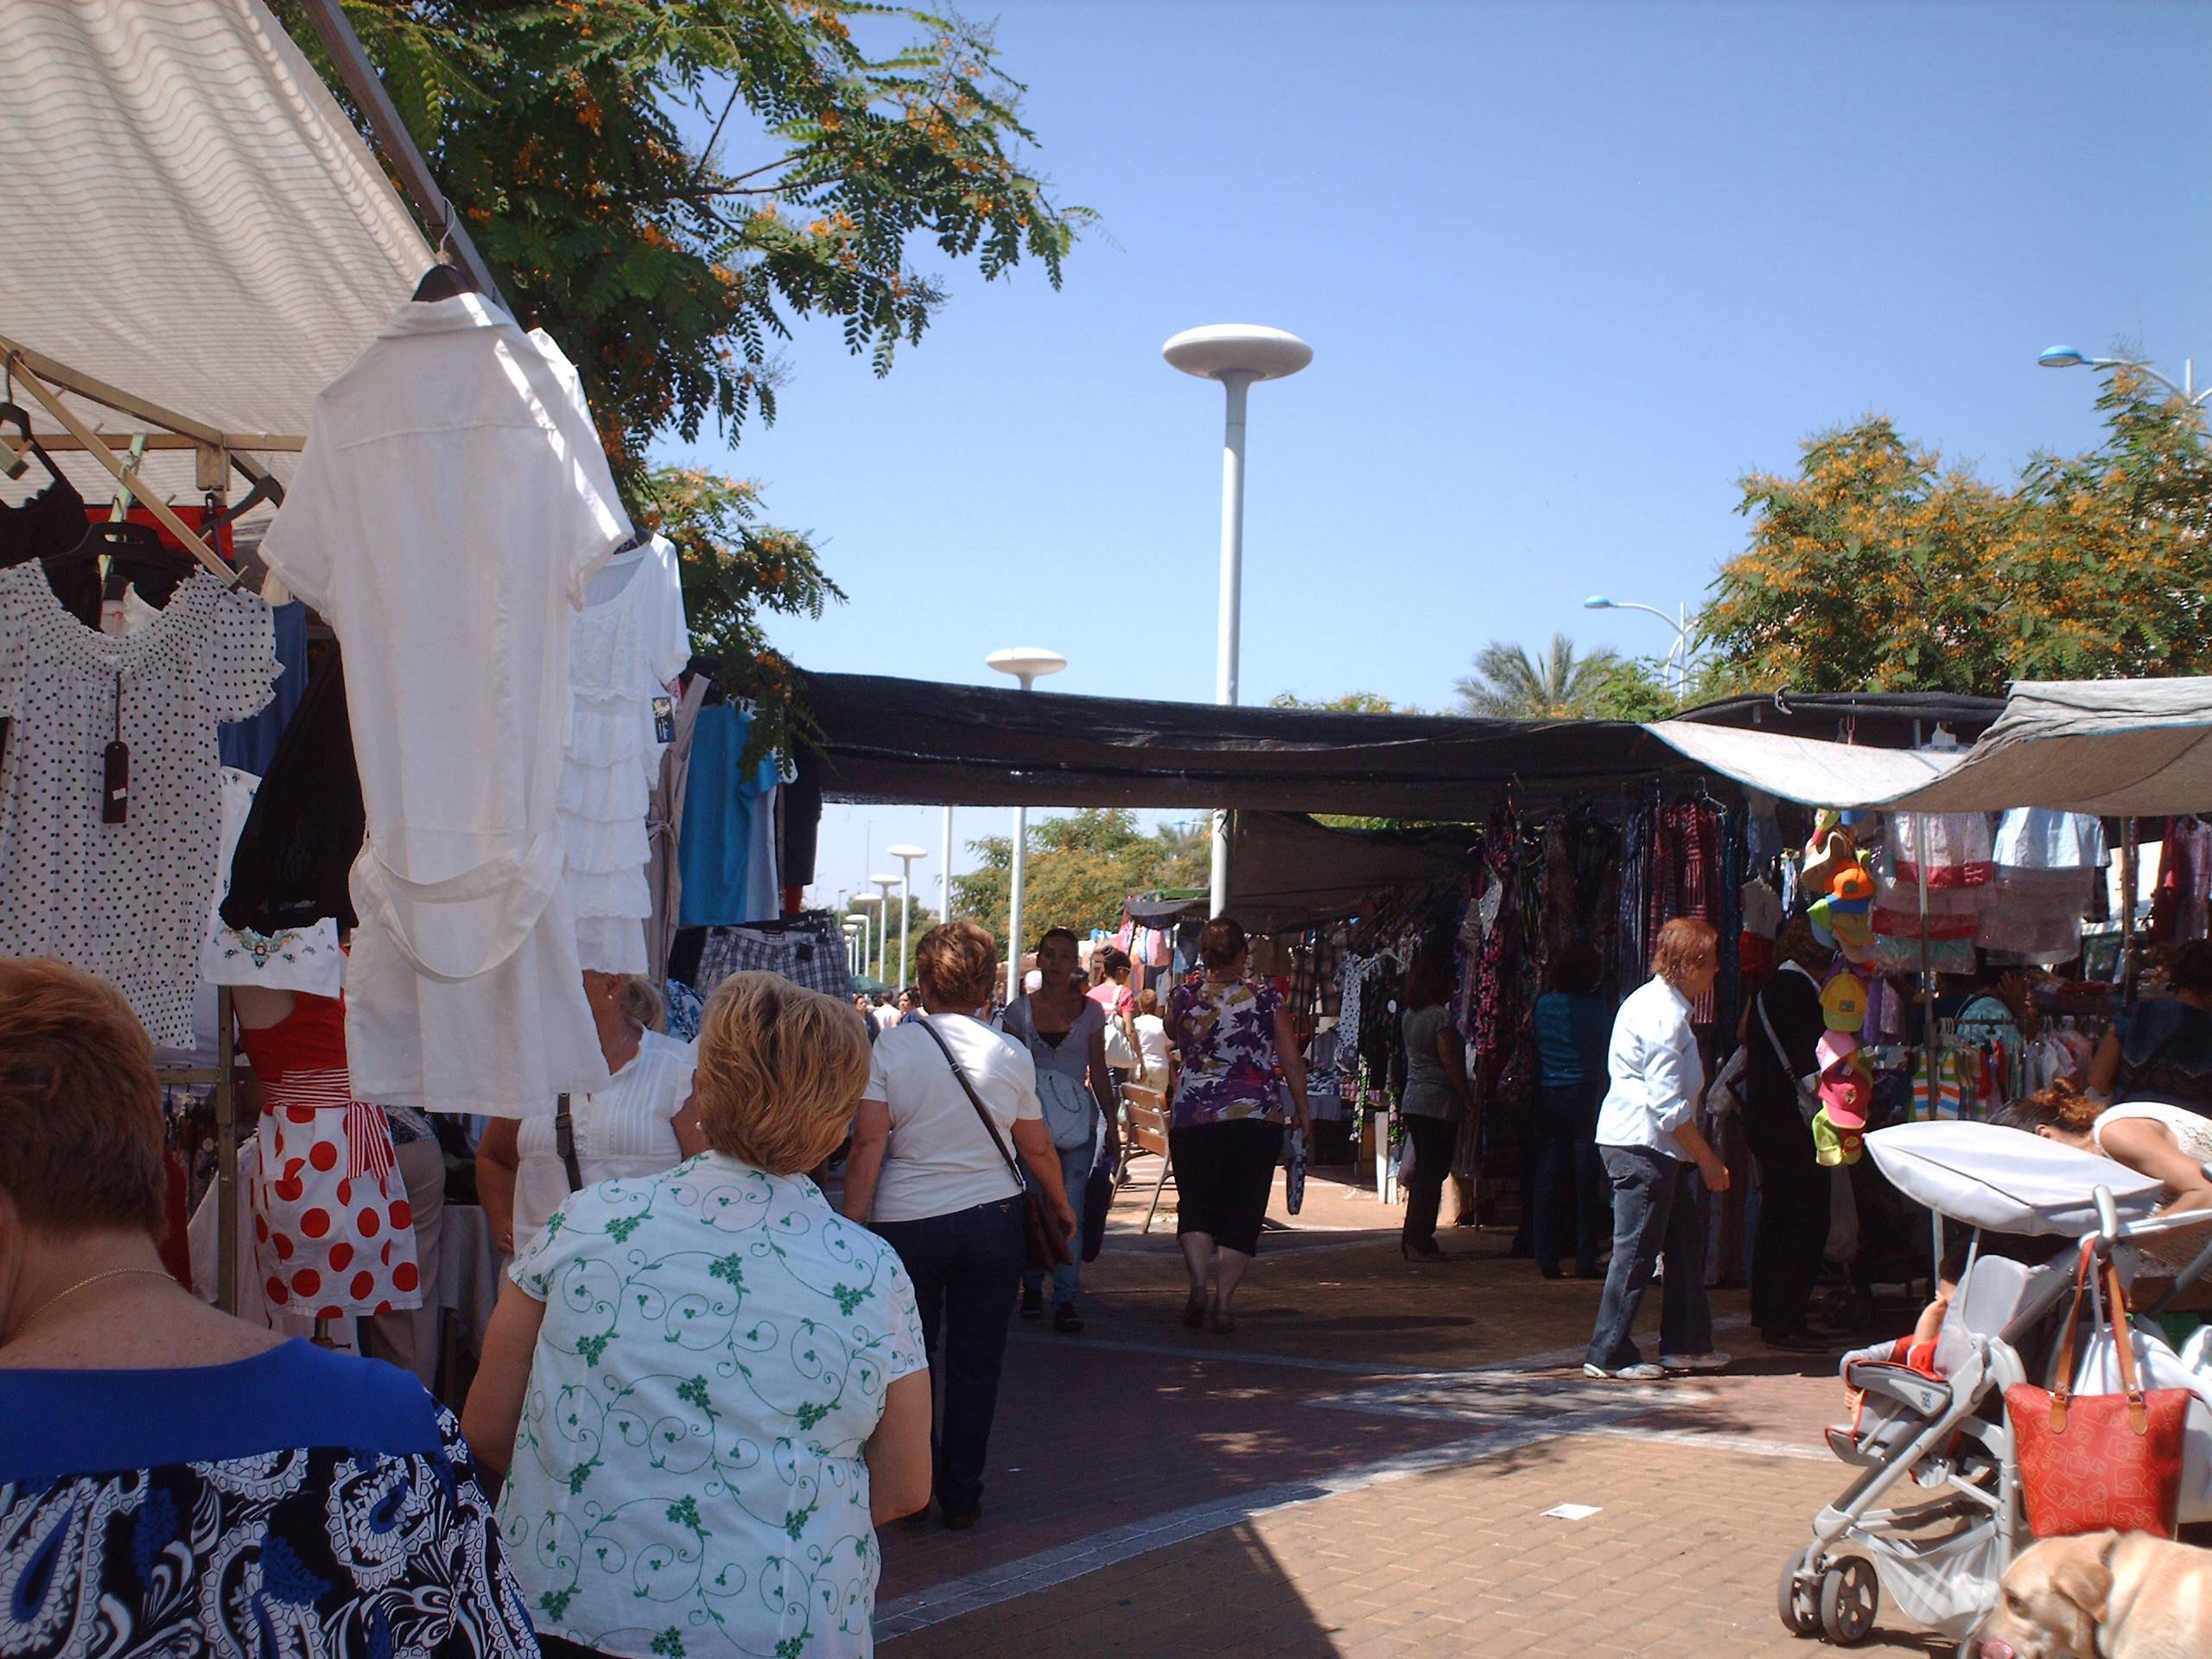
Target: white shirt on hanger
{"type": "Point", "coordinates": [450, 506]}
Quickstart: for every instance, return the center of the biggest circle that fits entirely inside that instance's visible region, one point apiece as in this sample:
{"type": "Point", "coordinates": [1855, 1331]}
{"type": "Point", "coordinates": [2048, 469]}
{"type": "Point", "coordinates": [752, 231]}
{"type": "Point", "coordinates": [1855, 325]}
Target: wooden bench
{"type": "Point", "coordinates": [1147, 1115]}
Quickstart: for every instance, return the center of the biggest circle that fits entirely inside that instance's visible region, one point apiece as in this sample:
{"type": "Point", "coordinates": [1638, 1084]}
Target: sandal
{"type": "Point", "coordinates": [1194, 1312]}
{"type": "Point", "coordinates": [1224, 1325]}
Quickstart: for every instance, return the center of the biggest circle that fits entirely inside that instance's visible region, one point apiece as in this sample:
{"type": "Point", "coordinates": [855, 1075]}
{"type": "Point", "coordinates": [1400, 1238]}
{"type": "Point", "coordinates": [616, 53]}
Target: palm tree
{"type": "Point", "coordinates": [1507, 685]}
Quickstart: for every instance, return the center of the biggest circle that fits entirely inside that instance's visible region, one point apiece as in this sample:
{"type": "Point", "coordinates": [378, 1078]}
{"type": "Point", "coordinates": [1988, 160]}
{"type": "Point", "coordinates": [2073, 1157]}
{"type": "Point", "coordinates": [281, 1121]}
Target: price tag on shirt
{"type": "Point", "coordinates": [663, 720]}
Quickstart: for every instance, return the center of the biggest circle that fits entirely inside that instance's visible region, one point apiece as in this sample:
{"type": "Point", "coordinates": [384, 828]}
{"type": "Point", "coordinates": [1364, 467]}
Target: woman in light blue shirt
{"type": "Point", "coordinates": [1649, 1138]}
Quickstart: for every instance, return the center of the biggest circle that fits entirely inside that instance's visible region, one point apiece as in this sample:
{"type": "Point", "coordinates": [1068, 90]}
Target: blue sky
{"type": "Point", "coordinates": [1568, 270]}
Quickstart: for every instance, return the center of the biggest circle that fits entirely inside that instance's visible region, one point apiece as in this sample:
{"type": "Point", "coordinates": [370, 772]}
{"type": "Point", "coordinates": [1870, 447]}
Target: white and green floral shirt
{"type": "Point", "coordinates": [687, 1478]}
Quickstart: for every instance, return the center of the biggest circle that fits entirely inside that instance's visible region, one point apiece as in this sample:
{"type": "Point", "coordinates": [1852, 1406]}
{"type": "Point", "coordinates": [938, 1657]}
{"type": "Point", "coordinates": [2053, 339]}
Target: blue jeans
{"type": "Point", "coordinates": [1655, 1208]}
{"type": "Point", "coordinates": [1075, 1175]}
{"type": "Point", "coordinates": [964, 1266]}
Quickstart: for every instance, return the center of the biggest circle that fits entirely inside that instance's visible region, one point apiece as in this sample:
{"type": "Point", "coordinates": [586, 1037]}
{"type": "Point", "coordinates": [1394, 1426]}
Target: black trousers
{"type": "Point", "coordinates": [1224, 1172]}
{"type": "Point", "coordinates": [966, 1268]}
{"type": "Point", "coordinates": [1793, 1233]}
{"type": "Point", "coordinates": [1433, 1139]}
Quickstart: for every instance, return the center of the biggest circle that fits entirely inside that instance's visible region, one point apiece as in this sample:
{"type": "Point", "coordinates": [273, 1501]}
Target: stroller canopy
{"type": "Point", "coordinates": [1989, 1176]}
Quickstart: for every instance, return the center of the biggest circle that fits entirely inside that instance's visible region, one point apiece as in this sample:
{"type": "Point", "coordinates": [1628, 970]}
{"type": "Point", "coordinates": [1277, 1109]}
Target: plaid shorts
{"type": "Point", "coordinates": [810, 951]}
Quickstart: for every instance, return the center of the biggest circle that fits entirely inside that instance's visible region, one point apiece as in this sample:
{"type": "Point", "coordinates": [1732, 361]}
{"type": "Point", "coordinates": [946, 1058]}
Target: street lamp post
{"type": "Point", "coordinates": [852, 926]}
{"type": "Point", "coordinates": [945, 873]}
{"type": "Point", "coordinates": [2065, 357]}
{"type": "Point", "coordinates": [868, 930]}
{"type": "Point", "coordinates": [906, 855]}
{"type": "Point", "coordinates": [884, 884]}
{"type": "Point", "coordinates": [1027, 663]}
{"type": "Point", "coordinates": [1235, 354]}
{"type": "Point", "coordinates": [1678, 654]}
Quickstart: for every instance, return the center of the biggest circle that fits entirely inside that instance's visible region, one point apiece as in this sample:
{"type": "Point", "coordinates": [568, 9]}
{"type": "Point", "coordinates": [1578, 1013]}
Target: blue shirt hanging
{"type": "Point", "coordinates": [725, 808]}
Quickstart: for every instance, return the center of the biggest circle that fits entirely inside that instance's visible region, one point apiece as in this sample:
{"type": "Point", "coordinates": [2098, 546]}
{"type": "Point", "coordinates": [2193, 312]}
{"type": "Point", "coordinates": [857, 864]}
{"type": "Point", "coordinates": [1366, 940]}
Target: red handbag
{"type": "Point", "coordinates": [2102, 1460]}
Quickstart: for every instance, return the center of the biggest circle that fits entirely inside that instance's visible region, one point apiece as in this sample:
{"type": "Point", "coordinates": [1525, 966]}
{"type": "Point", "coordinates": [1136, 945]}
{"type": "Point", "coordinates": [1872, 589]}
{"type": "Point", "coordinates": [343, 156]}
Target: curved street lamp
{"type": "Point", "coordinates": [2066, 357]}
{"type": "Point", "coordinates": [1678, 655]}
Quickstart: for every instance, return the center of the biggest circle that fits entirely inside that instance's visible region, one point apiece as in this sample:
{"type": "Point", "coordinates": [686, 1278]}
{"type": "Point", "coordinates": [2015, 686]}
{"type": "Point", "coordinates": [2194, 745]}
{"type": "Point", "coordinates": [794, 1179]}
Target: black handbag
{"type": "Point", "coordinates": [1042, 1242]}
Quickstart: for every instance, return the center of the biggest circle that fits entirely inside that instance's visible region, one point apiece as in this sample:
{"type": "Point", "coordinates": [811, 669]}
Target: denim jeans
{"type": "Point", "coordinates": [1571, 1182]}
{"type": "Point", "coordinates": [964, 1266]}
{"type": "Point", "coordinates": [1434, 1141]}
{"type": "Point", "coordinates": [1655, 1208]}
{"type": "Point", "coordinates": [1075, 1175]}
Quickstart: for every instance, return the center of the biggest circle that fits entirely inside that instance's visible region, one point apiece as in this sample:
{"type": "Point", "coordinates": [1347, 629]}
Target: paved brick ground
{"type": "Point", "coordinates": [1361, 1469]}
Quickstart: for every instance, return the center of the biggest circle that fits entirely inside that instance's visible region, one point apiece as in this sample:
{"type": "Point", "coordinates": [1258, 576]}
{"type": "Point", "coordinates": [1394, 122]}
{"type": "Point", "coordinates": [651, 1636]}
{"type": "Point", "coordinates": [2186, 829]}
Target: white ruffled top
{"type": "Point", "coordinates": [627, 643]}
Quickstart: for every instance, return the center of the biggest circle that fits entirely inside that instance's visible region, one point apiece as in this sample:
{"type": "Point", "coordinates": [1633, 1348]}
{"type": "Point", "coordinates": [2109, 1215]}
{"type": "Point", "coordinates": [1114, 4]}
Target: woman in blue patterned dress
{"type": "Point", "coordinates": [172, 1480]}
{"type": "Point", "coordinates": [705, 1387]}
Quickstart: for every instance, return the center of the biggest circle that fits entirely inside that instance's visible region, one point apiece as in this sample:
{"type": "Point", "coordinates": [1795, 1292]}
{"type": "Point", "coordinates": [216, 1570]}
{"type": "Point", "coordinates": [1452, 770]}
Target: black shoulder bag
{"type": "Point", "coordinates": [1041, 1241]}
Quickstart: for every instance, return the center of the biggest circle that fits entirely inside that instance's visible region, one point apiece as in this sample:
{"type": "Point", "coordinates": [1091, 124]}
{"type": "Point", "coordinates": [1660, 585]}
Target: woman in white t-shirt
{"type": "Point", "coordinates": [928, 1176]}
{"type": "Point", "coordinates": [2171, 1144]}
{"type": "Point", "coordinates": [643, 1123]}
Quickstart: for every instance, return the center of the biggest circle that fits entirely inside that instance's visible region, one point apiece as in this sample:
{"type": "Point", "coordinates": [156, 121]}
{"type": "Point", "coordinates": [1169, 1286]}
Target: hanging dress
{"type": "Point", "coordinates": [127, 901]}
{"type": "Point", "coordinates": [625, 645]}
{"type": "Point", "coordinates": [332, 1228]}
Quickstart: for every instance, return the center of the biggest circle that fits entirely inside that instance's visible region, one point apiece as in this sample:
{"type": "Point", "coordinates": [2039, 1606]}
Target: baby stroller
{"type": "Point", "coordinates": [1931, 1439]}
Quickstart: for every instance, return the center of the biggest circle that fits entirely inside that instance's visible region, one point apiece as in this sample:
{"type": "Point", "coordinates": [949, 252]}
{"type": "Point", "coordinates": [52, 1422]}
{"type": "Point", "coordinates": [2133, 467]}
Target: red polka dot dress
{"type": "Point", "coordinates": [332, 1230]}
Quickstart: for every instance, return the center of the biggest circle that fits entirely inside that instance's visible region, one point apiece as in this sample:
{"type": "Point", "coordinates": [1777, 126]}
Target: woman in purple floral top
{"type": "Point", "coordinates": [1232, 1035]}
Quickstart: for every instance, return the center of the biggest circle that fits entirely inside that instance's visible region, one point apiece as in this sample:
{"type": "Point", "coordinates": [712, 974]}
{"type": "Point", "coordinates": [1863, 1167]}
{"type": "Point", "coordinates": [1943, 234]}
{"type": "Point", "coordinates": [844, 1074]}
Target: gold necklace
{"type": "Point", "coordinates": [112, 1272]}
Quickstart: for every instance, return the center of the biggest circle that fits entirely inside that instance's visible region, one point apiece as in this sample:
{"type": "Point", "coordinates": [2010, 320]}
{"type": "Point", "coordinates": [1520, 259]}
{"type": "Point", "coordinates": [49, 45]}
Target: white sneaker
{"type": "Point", "coordinates": [1707, 1362]}
{"type": "Point", "coordinates": [1643, 1371]}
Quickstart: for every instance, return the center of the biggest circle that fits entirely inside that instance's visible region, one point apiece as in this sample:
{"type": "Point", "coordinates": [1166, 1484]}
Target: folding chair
{"type": "Point", "coordinates": [1148, 1114]}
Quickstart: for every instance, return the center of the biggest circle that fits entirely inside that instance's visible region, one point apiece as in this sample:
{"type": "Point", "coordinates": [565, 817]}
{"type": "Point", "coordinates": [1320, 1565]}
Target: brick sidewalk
{"type": "Point", "coordinates": [1359, 1470]}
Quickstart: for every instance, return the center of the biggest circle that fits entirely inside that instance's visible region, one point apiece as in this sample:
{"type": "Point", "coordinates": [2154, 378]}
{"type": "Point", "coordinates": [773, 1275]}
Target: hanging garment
{"type": "Point", "coordinates": [250, 745]}
{"type": "Point", "coordinates": [296, 959]}
{"type": "Point", "coordinates": [303, 831]}
{"type": "Point", "coordinates": [627, 643]}
{"type": "Point", "coordinates": [125, 901]}
{"type": "Point", "coordinates": [801, 804]}
{"type": "Point", "coordinates": [333, 1231]}
{"type": "Point", "coordinates": [728, 827]}
{"type": "Point", "coordinates": [448, 513]}
{"type": "Point", "coordinates": [663, 822]}
{"type": "Point", "coordinates": [1956, 847]}
{"type": "Point", "coordinates": [51, 522]}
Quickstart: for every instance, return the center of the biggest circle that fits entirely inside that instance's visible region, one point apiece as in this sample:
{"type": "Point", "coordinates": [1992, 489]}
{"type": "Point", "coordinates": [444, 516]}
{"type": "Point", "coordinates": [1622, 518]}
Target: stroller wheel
{"type": "Point", "coordinates": [1849, 1595]}
{"type": "Point", "coordinates": [1797, 1598]}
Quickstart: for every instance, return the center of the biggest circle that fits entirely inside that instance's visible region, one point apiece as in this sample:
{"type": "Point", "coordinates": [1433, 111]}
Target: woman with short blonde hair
{"type": "Point", "coordinates": [1648, 1138]}
{"type": "Point", "coordinates": [774, 1349]}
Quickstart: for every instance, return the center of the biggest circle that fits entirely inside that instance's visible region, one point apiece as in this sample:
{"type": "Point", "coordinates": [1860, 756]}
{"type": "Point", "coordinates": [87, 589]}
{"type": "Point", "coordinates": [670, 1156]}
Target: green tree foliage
{"type": "Point", "coordinates": [1352, 703]}
{"type": "Point", "coordinates": [1080, 868]}
{"type": "Point", "coordinates": [672, 268]}
{"type": "Point", "coordinates": [1508, 684]}
{"type": "Point", "coordinates": [1877, 567]}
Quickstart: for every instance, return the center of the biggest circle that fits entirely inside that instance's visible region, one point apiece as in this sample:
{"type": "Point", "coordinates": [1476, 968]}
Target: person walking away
{"type": "Point", "coordinates": [643, 1123]}
{"type": "Point", "coordinates": [705, 1389]}
{"type": "Point", "coordinates": [1572, 1026]}
{"type": "Point", "coordinates": [1224, 1138]}
{"type": "Point", "coordinates": [1436, 1099]}
{"type": "Point", "coordinates": [1155, 1055]}
{"type": "Point", "coordinates": [928, 1175]}
{"type": "Point", "coordinates": [1065, 1032]}
{"type": "Point", "coordinates": [1781, 1034]}
{"type": "Point", "coordinates": [174, 1480]}
{"type": "Point", "coordinates": [1648, 1135]}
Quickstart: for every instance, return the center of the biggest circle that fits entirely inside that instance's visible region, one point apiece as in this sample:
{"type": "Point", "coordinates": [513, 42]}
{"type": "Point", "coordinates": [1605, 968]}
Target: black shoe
{"type": "Point", "coordinates": [1427, 1252]}
{"type": "Point", "coordinates": [1550, 1270]}
{"type": "Point", "coordinates": [1032, 1302]}
{"type": "Point", "coordinates": [1067, 1320]}
{"type": "Point", "coordinates": [960, 1521]}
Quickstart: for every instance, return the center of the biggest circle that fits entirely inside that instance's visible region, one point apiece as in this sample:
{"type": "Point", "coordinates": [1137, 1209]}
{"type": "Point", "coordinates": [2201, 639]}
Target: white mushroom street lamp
{"type": "Point", "coordinates": [868, 930]}
{"type": "Point", "coordinates": [1027, 663]}
{"type": "Point", "coordinates": [852, 926]}
{"type": "Point", "coordinates": [1237, 355]}
{"type": "Point", "coordinates": [884, 884]}
{"type": "Point", "coordinates": [906, 855]}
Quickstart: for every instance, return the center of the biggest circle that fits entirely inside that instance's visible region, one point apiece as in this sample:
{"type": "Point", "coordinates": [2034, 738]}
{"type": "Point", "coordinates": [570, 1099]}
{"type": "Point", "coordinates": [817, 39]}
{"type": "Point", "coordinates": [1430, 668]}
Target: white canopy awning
{"type": "Point", "coordinates": [190, 217]}
{"type": "Point", "coordinates": [2111, 748]}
